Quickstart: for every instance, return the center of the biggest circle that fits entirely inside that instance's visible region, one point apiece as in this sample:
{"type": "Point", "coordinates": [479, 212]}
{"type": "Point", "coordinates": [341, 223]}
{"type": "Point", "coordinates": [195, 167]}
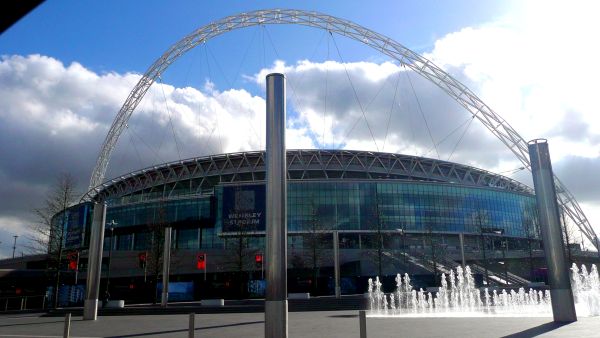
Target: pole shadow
{"type": "Point", "coordinates": [185, 330]}
{"type": "Point", "coordinates": [38, 323]}
{"type": "Point", "coordinates": [536, 331]}
{"type": "Point", "coordinates": [343, 316]}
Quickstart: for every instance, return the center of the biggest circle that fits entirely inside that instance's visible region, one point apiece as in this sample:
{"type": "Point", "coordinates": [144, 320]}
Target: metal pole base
{"type": "Point", "coordinates": [338, 292]}
{"type": "Point", "coordinates": [90, 309]}
{"type": "Point", "coordinates": [562, 308]}
{"type": "Point", "coordinates": [362, 321]}
{"type": "Point", "coordinates": [276, 327]}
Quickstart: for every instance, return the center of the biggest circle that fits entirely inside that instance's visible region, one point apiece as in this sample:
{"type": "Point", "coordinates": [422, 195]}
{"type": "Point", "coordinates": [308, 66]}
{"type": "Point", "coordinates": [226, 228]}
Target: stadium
{"type": "Point", "coordinates": [393, 214]}
{"type": "Point", "coordinates": [384, 213]}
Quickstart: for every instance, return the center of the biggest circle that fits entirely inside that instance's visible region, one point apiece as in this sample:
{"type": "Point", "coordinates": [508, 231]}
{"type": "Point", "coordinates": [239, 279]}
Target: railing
{"type": "Point", "coordinates": [32, 302]}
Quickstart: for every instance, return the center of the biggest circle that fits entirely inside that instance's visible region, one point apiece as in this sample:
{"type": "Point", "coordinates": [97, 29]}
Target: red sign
{"type": "Point", "coordinates": [72, 257]}
{"type": "Point", "coordinates": [201, 261]}
{"type": "Point", "coordinates": [142, 260]}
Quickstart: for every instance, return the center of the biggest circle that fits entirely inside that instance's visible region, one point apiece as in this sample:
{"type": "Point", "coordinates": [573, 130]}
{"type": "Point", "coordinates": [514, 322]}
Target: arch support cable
{"type": "Point", "coordinates": [387, 46]}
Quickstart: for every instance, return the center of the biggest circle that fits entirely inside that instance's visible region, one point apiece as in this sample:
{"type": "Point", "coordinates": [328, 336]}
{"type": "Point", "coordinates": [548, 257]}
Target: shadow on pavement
{"type": "Point", "coordinates": [536, 331]}
{"type": "Point", "coordinates": [343, 316]}
{"type": "Point", "coordinates": [32, 324]}
{"type": "Point", "coordinates": [185, 330]}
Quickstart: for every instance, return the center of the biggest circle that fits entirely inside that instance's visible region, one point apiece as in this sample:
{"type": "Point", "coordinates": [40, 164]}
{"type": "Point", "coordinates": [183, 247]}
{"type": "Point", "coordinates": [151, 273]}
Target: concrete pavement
{"type": "Point", "coordinates": [301, 324]}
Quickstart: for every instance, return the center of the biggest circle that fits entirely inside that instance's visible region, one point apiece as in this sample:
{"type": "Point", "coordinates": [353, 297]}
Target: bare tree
{"type": "Point", "coordinates": [49, 232]}
{"type": "Point", "coordinates": [378, 237]}
{"type": "Point", "coordinates": [481, 220]}
{"type": "Point", "coordinates": [530, 231]}
{"type": "Point", "coordinates": [434, 253]}
{"type": "Point", "coordinates": [241, 258]}
{"type": "Point", "coordinates": [314, 243]}
{"type": "Point", "coordinates": [154, 260]}
{"type": "Point", "coordinates": [569, 231]}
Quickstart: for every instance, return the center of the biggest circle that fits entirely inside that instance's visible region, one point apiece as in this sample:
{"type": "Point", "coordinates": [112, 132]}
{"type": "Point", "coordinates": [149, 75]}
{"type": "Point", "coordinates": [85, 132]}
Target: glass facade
{"type": "Point", "coordinates": [192, 220]}
{"type": "Point", "coordinates": [352, 207]}
{"type": "Point", "coordinates": [420, 207]}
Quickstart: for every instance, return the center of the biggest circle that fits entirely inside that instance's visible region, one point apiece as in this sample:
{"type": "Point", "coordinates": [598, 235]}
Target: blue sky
{"type": "Point", "coordinates": [66, 69]}
{"type": "Point", "coordinates": [127, 36]}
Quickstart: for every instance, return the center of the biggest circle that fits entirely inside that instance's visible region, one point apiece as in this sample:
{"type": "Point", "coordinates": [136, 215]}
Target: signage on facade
{"type": "Point", "coordinates": [243, 208]}
{"type": "Point", "coordinates": [75, 227]}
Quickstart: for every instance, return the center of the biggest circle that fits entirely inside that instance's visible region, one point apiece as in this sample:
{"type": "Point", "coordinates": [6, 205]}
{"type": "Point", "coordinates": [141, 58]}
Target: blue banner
{"type": "Point", "coordinates": [243, 208]}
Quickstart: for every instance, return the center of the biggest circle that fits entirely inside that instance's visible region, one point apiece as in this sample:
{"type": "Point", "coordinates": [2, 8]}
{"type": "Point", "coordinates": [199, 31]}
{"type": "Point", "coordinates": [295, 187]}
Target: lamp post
{"type": "Point", "coordinates": [15, 245]}
{"type": "Point", "coordinates": [401, 232]}
{"type": "Point", "coordinates": [110, 249]}
{"type": "Point", "coordinates": [482, 236]}
{"type": "Point", "coordinates": [461, 240]}
{"type": "Point", "coordinates": [336, 263]}
{"type": "Point", "coordinates": [504, 247]}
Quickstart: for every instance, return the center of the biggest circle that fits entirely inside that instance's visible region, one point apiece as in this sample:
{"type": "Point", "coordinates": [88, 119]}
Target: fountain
{"type": "Point", "coordinates": [458, 297]}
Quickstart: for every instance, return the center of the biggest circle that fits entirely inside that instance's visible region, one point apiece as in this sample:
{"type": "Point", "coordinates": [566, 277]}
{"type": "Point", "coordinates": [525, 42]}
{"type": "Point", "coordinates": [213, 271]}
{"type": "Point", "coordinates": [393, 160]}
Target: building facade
{"type": "Point", "coordinates": [393, 214]}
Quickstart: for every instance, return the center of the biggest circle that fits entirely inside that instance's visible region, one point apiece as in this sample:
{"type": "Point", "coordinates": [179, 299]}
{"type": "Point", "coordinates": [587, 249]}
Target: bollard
{"type": "Point", "coordinates": [362, 318]}
{"type": "Point", "coordinates": [192, 327]}
{"type": "Point", "coordinates": [67, 325]}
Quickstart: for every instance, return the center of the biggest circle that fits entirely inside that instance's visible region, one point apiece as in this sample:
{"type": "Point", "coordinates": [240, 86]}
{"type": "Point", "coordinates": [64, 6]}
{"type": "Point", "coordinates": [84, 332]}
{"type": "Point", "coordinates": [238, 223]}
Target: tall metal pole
{"type": "Point", "coordinates": [15, 245]}
{"type": "Point", "coordinates": [77, 268]}
{"type": "Point", "coordinates": [504, 248]}
{"type": "Point", "coordinates": [90, 307]}
{"type": "Point", "coordinates": [485, 265]}
{"type": "Point", "coordinates": [110, 249]}
{"type": "Point", "coordinates": [531, 269]}
{"type": "Point", "coordinates": [336, 263]}
{"type": "Point", "coordinates": [461, 238]}
{"type": "Point", "coordinates": [563, 305]}
{"type": "Point", "coordinates": [146, 270]}
{"type": "Point", "coordinates": [276, 306]}
{"type": "Point", "coordinates": [166, 265]}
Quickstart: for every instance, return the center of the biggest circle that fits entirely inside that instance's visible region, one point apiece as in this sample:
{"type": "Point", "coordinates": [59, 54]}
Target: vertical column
{"type": "Point", "coordinates": [461, 238]}
{"type": "Point", "coordinates": [166, 265]}
{"type": "Point", "coordinates": [563, 306]}
{"type": "Point", "coordinates": [336, 263]}
{"type": "Point", "coordinates": [276, 306]}
{"type": "Point", "coordinates": [92, 289]}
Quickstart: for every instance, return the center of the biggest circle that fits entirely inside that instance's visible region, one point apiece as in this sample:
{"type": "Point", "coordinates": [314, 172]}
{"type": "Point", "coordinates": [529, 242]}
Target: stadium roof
{"type": "Point", "coordinates": [203, 173]}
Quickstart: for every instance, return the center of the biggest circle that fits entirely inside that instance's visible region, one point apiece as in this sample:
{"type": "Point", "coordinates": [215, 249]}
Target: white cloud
{"type": "Point", "coordinates": [54, 118]}
{"type": "Point", "coordinates": [537, 70]}
{"type": "Point", "coordinates": [332, 99]}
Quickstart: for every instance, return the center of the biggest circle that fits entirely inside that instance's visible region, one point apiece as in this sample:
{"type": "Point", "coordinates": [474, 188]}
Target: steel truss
{"type": "Point", "coordinates": [463, 95]}
{"type": "Point", "coordinates": [199, 175]}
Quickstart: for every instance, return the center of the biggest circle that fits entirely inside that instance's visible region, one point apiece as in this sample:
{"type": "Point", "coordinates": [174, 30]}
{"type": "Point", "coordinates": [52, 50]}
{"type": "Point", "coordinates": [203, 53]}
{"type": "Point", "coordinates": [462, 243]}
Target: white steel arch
{"type": "Point", "coordinates": [463, 95]}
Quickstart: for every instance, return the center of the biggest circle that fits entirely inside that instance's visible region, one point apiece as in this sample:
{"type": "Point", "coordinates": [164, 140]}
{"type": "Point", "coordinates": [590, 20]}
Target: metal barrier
{"type": "Point", "coordinates": [22, 303]}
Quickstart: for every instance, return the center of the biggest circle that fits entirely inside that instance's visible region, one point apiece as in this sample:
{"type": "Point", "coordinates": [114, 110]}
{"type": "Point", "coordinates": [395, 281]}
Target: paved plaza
{"type": "Point", "coordinates": [302, 324]}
